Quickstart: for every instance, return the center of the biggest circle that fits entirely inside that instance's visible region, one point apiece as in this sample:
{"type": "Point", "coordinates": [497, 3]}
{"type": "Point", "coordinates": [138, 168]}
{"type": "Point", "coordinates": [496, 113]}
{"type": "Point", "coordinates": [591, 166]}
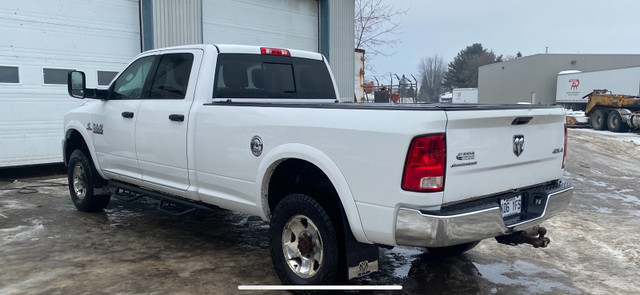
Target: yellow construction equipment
{"type": "Point", "coordinates": [616, 112]}
{"type": "Point", "coordinates": [577, 119]}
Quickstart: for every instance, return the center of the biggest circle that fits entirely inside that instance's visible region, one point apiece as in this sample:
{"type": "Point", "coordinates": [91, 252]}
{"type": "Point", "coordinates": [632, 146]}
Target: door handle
{"type": "Point", "coordinates": [176, 117]}
{"type": "Point", "coordinates": [128, 115]}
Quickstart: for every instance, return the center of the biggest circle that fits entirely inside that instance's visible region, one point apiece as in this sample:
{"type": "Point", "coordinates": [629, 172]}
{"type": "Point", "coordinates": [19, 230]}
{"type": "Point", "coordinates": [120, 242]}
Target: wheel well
{"type": "Point", "coordinates": [75, 141]}
{"type": "Point", "coordinates": [299, 176]}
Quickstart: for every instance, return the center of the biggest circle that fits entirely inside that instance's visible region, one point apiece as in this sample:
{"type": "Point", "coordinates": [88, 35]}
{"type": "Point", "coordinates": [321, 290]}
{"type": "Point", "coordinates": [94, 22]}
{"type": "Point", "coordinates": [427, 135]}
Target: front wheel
{"type": "Point", "coordinates": [303, 242]}
{"type": "Point", "coordinates": [84, 182]}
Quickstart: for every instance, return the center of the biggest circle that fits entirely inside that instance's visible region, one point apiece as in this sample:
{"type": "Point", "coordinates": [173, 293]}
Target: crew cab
{"type": "Point", "coordinates": [261, 131]}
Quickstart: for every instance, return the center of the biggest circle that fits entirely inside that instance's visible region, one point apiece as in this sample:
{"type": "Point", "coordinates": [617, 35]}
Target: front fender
{"type": "Point", "coordinates": [87, 137]}
{"type": "Point", "coordinates": [324, 163]}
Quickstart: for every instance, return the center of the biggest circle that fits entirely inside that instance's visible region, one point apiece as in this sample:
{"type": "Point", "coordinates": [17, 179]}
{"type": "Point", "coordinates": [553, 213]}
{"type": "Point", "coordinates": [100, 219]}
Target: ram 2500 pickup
{"type": "Point", "coordinates": [260, 131]}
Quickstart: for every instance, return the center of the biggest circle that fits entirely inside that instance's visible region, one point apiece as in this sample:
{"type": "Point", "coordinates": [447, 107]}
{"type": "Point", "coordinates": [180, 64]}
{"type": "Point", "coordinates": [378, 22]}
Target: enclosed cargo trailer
{"type": "Point", "coordinates": [573, 86]}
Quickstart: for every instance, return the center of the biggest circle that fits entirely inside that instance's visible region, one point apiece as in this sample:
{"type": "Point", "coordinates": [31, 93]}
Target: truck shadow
{"type": "Point", "coordinates": [426, 273]}
{"type": "Point", "coordinates": [418, 271]}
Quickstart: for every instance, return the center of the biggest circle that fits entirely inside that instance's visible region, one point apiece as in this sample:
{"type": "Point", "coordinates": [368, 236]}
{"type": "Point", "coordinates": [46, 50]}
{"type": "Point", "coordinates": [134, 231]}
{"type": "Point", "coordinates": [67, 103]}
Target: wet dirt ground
{"type": "Point", "coordinates": [47, 247]}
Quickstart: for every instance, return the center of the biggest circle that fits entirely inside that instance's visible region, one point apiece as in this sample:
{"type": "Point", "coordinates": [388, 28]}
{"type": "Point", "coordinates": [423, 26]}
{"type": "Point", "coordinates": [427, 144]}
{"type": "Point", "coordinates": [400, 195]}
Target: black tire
{"type": "Point", "coordinates": [615, 123]}
{"type": "Point", "coordinates": [453, 250]}
{"type": "Point", "coordinates": [301, 210]}
{"type": "Point", "coordinates": [599, 119]}
{"type": "Point", "coordinates": [84, 180]}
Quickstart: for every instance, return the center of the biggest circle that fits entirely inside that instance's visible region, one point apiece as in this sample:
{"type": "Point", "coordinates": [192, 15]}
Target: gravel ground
{"type": "Point", "coordinates": [47, 247]}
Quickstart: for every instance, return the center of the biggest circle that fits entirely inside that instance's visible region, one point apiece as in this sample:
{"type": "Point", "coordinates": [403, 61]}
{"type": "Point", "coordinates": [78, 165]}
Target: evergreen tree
{"type": "Point", "coordinates": [463, 70]}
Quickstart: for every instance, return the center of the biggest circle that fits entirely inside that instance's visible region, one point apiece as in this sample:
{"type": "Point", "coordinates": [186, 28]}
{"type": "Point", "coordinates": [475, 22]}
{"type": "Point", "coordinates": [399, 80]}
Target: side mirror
{"type": "Point", "coordinates": [77, 84]}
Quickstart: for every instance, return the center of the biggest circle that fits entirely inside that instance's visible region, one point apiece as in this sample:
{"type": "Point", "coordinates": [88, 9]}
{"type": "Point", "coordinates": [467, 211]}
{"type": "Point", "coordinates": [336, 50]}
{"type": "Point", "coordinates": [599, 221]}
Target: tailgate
{"type": "Point", "coordinates": [494, 151]}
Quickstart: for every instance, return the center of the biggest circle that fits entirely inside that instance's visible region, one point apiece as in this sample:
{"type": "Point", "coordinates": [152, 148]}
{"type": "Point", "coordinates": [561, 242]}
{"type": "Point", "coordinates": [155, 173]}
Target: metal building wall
{"type": "Point", "coordinates": [275, 23]}
{"type": "Point", "coordinates": [514, 81]}
{"type": "Point", "coordinates": [341, 46]}
{"type": "Point", "coordinates": [177, 22]}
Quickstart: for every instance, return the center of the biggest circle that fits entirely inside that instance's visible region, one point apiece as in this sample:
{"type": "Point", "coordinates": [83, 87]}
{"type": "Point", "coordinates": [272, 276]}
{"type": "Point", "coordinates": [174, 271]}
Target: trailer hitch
{"type": "Point", "coordinates": [522, 237]}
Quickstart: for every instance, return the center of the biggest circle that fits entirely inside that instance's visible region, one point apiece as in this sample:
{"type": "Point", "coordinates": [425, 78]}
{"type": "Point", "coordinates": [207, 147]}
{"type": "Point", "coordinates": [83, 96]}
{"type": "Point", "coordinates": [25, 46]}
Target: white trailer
{"type": "Point", "coordinates": [41, 41]}
{"type": "Point", "coordinates": [574, 85]}
{"type": "Point", "coordinates": [465, 95]}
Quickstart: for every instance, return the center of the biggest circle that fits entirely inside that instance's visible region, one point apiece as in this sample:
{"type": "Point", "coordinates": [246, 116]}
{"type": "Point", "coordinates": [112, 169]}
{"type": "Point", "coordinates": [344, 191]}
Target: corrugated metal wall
{"type": "Point", "coordinates": [177, 22]}
{"type": "Point", "coordinates": [341, 46]}
{"type": "Point", "coordinates": [277, 23]}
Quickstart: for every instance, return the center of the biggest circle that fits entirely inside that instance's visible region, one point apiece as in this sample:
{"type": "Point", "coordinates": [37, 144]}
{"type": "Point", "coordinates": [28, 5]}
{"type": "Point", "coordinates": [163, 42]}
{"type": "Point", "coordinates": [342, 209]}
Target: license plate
{"type": "Point", "coordinates": [511, 206]}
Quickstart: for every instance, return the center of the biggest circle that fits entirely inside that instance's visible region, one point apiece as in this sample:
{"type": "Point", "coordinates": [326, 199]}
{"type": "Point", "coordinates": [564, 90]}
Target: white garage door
{"type": "Point", "coordinates": [277, 23]}
{"type": "Point", "coordinates": [40, 40]}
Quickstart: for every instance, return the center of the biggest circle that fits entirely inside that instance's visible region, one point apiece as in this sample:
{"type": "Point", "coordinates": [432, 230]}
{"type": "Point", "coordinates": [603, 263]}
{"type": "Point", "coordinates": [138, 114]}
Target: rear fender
{"type": "Point", "coordinates": [325, 164]}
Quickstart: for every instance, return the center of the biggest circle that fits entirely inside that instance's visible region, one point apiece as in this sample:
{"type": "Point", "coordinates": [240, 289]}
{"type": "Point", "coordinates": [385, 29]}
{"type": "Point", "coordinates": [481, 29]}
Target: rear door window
{"type": "Point", "coordinates": [264, 76]}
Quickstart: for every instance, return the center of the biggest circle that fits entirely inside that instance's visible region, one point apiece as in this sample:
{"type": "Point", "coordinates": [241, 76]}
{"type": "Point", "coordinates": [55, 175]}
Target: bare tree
{"type": "Point", "coordinates": [508, 57]}
{"type": "Point", "coordinates": [431, 71]}
{"type": "Point", "coordinates": [376, 25]}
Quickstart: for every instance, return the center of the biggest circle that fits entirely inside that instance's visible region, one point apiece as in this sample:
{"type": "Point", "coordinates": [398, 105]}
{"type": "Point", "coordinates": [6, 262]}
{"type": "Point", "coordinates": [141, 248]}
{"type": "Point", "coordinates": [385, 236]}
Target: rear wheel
{"type": "Point", "coordinates": [84, 182]}
{"type": "Point", "coordinates": [599, 119]}
{"type": "Point", "coordinates": [453, 250]}
{"type": "Point", "coordinates": [615, 123]}
{"type": "Point", "coordinates": [303, 242]}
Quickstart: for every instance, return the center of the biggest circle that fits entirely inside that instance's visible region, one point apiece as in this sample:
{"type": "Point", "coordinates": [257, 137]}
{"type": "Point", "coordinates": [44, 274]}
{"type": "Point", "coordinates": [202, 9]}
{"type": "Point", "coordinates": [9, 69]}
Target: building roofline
{"type": "Point", "coordinates": [538, 55]}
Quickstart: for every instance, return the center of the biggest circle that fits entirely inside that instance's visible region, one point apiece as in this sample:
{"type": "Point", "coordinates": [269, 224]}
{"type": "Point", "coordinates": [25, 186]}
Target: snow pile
{"type": "Point", "coordinates": [630, 139]}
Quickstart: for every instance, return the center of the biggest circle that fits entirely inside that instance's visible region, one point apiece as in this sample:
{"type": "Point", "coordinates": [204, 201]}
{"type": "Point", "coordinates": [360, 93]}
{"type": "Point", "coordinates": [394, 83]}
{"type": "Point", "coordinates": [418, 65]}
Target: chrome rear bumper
{"type": "Point", "coordinates": [416, 228]}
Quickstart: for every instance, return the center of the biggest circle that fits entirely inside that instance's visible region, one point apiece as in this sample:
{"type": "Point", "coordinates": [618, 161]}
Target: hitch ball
{"type": "Point", "coordinates": [541, 241]}
{"type": "Point", "coordinates": [521, 237]}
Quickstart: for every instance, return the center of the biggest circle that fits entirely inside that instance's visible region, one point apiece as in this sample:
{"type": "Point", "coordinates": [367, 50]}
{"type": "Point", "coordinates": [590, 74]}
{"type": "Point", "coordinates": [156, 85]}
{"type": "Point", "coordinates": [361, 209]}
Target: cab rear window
{"type": "Point", "coordinates": [265, 76]}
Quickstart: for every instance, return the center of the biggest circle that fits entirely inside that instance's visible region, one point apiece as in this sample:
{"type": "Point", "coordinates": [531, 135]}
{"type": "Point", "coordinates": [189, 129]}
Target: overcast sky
{"type": "Point", "coordinates": [445, 27]}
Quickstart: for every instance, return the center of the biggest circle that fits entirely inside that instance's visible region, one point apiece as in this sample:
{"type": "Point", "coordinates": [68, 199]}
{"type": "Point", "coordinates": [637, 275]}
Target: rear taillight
{"type": "Point", "coordinates": [274, 51]}
{"type": "Point", "coordinates": [564, 156]}
{"type": "Point", "coordinates": [424, 168]}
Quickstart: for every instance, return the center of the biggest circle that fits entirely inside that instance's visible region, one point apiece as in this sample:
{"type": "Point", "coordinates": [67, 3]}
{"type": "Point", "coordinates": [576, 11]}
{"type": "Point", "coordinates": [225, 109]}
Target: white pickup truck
{"type": "Point", "coordinates": [260, 131]}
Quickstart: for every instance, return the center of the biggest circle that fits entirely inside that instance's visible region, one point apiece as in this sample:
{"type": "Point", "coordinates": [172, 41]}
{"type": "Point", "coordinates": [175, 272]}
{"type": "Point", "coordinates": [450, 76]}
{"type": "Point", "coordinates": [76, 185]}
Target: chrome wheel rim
{"type": "Point", "coordinates": [79, 181]}
{"type": "Point", "coordinates": [302, 246]}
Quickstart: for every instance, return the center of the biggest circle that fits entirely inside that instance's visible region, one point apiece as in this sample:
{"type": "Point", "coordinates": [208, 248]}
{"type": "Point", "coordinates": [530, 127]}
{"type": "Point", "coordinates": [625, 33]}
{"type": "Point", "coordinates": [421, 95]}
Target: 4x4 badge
{"type": "Point", "coordinates": [518, 145]}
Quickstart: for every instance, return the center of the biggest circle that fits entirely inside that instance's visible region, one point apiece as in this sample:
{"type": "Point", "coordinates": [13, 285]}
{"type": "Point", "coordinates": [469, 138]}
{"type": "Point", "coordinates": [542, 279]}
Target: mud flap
{"type": "Point", "coordinates": [362, 259]}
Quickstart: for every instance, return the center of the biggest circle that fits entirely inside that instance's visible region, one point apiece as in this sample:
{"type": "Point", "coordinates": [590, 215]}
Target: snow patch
{"type": "Point", "coordinates": [603, 210]}
{"type": "Point", "coordinates": [622, 197]}
{"type": "Point", "coordinates": [40, 279]}
{"type": "Point", "coordinates": [9, 205]}
{"type": "Point", "coordinates": [599, 183]}
{"type": "Point", "coordinates": [536, 279]}
{"type": "Point", "coordinates": [13, 204]}
{"type": "Point", "coordinates": [21, 232]}
{"type": "Point", "coordinates": [628, 136]}
{"type": "Point", "coordinates": [572, 176]}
